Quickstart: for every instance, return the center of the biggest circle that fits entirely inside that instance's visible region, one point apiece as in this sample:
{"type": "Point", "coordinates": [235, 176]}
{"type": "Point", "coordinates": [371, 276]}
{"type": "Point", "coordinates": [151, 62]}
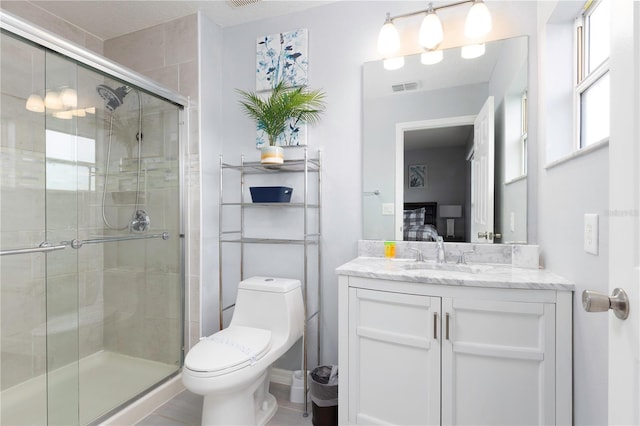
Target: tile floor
{"type": "Point", "coordinates": [185, 409]}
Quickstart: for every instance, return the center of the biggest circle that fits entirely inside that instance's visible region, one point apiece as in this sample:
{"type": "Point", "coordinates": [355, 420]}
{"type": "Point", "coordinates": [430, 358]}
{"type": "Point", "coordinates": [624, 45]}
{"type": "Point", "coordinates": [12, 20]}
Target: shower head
{"type": "Point", "coordinates": [113, 97]}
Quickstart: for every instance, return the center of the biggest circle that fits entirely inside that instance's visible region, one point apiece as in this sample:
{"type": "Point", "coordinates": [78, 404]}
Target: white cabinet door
{"type": "Point", "coordinates": [498, 362]}
{"type": "Point", "coordinates": [394, 358]}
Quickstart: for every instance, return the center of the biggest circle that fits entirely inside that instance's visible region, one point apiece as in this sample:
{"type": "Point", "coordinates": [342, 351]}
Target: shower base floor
{"type": "Point", "coordinates": [101, 382]}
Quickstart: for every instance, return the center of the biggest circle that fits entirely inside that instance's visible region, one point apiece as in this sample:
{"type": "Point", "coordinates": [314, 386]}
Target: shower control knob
{"type": "Point", "coordinates": [618, 302]}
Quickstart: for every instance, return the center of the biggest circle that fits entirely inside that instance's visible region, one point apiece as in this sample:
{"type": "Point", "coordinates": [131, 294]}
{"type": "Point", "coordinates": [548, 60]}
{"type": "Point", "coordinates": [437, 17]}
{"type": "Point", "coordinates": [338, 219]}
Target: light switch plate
{"type": "Point", "coordinates": [591, 233]}
{"type": "Point", "coordinates": [388, 209]}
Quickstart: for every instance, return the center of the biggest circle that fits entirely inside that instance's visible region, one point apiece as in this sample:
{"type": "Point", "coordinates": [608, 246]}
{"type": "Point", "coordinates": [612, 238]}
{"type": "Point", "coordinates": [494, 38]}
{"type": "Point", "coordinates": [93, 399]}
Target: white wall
{"type": "Point", "coordinates": [342, 36]}
{"type": "Point", "coordinates": [566, 192]}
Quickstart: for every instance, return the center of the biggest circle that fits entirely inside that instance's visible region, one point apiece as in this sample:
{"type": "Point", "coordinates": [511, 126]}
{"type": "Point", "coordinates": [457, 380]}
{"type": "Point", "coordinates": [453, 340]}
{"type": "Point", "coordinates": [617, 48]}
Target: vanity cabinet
{"type": "Point", "coordinates": [421, 354]}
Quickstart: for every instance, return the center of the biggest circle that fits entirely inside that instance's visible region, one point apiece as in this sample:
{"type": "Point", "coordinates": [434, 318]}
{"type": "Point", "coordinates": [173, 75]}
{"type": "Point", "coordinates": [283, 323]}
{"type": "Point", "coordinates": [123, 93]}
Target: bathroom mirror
{"type": "Point", "coordinates": [419, 150]}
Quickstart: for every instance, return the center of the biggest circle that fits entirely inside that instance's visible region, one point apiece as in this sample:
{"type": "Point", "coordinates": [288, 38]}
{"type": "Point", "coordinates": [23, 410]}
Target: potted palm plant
{"type": "Point", "coordinates": [274, 113]}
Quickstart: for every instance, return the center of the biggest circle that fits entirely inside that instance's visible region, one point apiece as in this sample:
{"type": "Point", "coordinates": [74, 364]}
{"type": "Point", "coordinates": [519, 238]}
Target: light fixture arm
{"type": "Point", "coordinates": [430, 9]}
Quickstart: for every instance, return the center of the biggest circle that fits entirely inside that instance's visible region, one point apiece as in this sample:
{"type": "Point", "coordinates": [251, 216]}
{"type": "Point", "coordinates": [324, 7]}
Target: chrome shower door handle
{"type": "Point", "coordinates": [618, 302]}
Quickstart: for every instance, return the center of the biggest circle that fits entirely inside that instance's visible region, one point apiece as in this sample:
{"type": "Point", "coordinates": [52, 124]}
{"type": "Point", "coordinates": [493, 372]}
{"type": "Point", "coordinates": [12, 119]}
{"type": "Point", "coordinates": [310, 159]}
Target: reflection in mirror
{"type": "Point", "coordinates": [445, 147]}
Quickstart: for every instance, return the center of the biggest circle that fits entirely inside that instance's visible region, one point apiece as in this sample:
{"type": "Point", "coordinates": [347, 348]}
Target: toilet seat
{"type": "Point", "coordinates": [228, 350]}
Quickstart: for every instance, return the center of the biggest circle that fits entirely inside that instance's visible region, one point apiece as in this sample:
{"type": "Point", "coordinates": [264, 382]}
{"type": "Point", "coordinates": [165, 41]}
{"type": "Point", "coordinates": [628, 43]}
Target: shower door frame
{"type": "Point", "coordinates": [54, 43]}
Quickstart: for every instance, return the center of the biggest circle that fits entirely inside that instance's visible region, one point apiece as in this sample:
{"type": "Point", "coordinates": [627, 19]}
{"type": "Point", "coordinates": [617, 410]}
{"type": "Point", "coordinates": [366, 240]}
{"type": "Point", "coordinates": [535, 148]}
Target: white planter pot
{"type": "Point", "coordinates": [272, 155]}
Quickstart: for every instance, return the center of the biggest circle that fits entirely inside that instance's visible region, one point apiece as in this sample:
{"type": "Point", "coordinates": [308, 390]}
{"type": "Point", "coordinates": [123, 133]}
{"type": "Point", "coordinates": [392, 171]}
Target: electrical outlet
{"type": "Point", "coordinates": [591, 233]}
{"type": "Point", "coordinates": [388, 209]}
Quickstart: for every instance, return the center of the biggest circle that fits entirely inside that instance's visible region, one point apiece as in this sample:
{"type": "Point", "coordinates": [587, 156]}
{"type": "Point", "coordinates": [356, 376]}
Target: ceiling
{"type": "Point", "coordinates": [437, 137]}
{"type": "Point", "coordinates": [107, 19]}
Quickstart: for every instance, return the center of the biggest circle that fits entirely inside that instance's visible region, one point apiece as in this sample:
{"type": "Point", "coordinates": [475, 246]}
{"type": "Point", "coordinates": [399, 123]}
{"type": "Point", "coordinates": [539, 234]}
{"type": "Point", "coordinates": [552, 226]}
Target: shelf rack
{"type": "Point", "coordinates": [307, 167]}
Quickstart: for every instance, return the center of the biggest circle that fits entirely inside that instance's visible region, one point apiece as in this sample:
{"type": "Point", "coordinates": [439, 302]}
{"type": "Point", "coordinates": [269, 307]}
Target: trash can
{"type": "Point", "coordinates": [324, 395]}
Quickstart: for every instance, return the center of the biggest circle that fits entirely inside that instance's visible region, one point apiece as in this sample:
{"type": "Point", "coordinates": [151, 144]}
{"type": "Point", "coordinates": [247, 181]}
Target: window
{"type": "Point", "coordinates": [592, 73]}
{"type": "Point", "coordinates": [71, 162]}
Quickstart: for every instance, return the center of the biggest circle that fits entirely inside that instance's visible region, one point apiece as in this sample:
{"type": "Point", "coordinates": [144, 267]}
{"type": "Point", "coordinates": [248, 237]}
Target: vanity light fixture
{"type": "Point", "coordinates": [393, 63]}
{"type": "Point", "coordinates": [431, 57]}
{"type": "Point", "coordinates": [431, 33]}
{"type": "Point", "coordinates": [471, 51]}
{"type": "Point", "coordinates": [477, 24]}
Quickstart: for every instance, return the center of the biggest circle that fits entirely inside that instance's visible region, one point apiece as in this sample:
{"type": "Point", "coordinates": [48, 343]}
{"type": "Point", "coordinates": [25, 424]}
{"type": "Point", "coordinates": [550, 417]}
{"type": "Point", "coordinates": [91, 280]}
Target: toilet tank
{"type": "Point", "coordinates": [270, 303]}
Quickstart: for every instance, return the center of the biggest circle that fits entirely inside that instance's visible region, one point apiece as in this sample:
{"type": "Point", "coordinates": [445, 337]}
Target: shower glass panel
{"type": "Point", "coordinates": [23, 352]}
{"type": "Point", "coordinates": [89, 327]}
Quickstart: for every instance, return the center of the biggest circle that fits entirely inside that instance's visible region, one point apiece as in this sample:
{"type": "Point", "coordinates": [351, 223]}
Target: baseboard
{"type": "Point", "coordinates": [146, 405]}
{"type": "Point", "coordinates": [281, 376]}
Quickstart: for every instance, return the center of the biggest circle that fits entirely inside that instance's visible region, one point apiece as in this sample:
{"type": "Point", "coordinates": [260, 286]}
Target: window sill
{"type": "Point", "coordinates": [515, 179]}
{"type": "Point", "coordinates": [580, 153]}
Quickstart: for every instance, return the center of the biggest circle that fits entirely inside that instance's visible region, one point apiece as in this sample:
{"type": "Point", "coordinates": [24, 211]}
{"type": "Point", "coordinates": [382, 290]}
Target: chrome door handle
{"type": "Point", "coordinates": [618, 302]}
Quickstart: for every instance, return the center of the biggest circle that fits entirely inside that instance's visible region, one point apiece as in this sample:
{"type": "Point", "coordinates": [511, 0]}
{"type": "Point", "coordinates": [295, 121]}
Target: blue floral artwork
{"type": "Point", "coordinates": [281, 57]}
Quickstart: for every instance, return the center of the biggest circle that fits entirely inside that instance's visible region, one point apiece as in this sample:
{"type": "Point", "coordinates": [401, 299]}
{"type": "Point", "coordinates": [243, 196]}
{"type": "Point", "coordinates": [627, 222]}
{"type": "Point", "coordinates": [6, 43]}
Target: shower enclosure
{"type": "Point", "coordinates": [91, 272]}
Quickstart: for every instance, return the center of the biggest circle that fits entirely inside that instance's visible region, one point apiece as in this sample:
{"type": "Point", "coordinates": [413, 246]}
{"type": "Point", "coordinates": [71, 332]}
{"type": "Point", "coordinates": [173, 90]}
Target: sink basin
{"type": "Point", "coordinates": [454, 267]}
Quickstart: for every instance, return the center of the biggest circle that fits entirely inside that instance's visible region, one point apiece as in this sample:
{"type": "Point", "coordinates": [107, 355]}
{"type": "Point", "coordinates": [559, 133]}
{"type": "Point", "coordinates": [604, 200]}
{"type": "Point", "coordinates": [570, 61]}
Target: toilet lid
{"type": "Point", "coordinates": [228, 350]}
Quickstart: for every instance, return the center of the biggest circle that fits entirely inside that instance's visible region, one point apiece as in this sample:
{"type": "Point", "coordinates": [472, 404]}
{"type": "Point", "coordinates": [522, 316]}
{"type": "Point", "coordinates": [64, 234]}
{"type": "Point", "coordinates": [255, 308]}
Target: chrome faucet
{"type": "Point", "coordinates": [441, 254]}
{"type": "Point", "coordinates": [419, 256]}
{"type": "Point", "coordinates": [462, 259]}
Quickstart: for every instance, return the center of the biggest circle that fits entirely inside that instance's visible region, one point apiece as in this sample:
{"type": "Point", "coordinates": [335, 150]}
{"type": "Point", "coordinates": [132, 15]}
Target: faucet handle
{"type": "Point", "coordinates": [419, 256]}
{"type": "Point", "coordinates": [462, 256]}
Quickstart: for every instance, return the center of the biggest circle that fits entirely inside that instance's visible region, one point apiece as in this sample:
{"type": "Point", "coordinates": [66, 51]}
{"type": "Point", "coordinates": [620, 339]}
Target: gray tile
{"type": "Point", "coordinates": [157, 420]}
{"type": "Point", "coordinates": [287, 417]}
{"type": "Point", "coordinates": [186, 407]}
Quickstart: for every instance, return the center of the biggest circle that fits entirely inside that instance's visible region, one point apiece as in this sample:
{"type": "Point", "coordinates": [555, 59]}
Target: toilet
{"type": "Point", "coordinates": [231, 367]}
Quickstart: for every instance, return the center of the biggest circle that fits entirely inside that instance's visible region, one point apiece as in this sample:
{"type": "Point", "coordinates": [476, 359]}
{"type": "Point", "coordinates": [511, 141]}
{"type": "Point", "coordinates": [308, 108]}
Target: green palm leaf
{"type": "Point", "coordinates": [284, 103]}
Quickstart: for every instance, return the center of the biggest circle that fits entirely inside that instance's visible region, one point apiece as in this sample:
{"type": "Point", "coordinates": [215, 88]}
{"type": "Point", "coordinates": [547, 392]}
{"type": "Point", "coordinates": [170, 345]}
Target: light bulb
{"type": "Point", "coordinates": [431, 57]}
{"type": "Point", "coordinates": [478, 21]}
{"type": "Point", "coordinates": [52, 101]}
{"type": "Point", "coordinates": [431, 33]}
{"type": "Point", "coordinates": [394, 63]}
{"type": "Point", "coordinates": [388, 39]}
{"type": "Point", "coordinates": [79, 112]}
{"type": "Point", "coordinates": [472, 51]}
{"type": "Point", "coordinates": [69, 97]}
{"type": "Point", "coordinates": [63, 115]}
{"type": "Point", "coordinates": [35, 103]}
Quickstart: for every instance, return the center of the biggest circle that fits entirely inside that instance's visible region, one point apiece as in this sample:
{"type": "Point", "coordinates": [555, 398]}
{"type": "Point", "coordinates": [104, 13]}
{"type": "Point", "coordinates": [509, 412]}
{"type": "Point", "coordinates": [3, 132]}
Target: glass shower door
{"type": "Point", "coordinates": [23, 361]}
{"type": "Point", "coordinates": [98, 320]}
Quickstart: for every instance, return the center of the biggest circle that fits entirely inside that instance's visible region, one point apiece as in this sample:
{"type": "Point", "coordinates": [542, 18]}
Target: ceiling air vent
{"type": "Point", "coordinates": [403, 87]}
{"type": "Point", "coordinates": [240, 3]}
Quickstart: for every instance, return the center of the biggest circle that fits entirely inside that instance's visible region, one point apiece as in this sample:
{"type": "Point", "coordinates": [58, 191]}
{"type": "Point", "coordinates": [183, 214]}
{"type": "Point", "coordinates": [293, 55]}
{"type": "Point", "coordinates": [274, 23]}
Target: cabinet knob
{"type": "Point", "coordinates": [618, 302]}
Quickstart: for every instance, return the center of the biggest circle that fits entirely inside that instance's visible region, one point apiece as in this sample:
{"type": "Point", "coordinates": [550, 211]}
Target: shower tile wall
{"type": "Point", "coordinates": [167, 53]}
{"type": "Point", "coordinates": [49, 22]}
{"type": "Point", "coordinates": [139, 292]}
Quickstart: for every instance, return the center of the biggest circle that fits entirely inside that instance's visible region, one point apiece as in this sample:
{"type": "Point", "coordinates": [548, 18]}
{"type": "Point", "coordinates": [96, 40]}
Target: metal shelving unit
{"type": "Point", "coordinates": [308, 167]}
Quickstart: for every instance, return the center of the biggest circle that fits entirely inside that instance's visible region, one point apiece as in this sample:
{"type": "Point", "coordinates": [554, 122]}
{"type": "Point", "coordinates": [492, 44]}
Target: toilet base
{"type": "Point", "coordinates": [267, 411]}
{"type": "Point", "coordinates": [233, 411]}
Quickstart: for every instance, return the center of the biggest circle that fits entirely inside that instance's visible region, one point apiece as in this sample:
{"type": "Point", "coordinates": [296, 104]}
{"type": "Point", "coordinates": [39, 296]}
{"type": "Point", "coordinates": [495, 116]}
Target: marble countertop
{"type": "Point", "coordinates": [472, 275]}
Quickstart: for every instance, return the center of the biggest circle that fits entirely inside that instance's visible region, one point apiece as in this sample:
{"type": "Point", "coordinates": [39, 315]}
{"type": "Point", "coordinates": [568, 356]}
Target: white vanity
{"type": "Point", "coordinates": [428, 344]}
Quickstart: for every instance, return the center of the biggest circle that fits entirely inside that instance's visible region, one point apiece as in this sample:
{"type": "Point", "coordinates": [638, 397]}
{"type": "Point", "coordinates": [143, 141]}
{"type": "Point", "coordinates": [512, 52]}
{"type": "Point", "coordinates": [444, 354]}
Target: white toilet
{"type": "Point", "coordinates": [231, 367]}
